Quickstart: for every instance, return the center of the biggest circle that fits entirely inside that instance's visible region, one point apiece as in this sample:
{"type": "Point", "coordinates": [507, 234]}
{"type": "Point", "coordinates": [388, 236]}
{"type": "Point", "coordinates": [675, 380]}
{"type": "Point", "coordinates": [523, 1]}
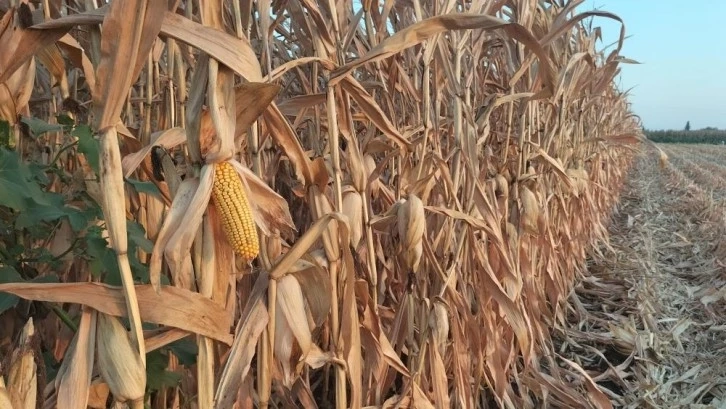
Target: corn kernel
{"type": "Point", "coordinates": [234, 209]}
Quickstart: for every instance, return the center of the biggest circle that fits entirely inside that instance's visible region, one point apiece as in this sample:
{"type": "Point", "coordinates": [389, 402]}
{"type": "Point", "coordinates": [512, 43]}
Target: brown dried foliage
{"type": "Point", "coordinates": [428, 177]}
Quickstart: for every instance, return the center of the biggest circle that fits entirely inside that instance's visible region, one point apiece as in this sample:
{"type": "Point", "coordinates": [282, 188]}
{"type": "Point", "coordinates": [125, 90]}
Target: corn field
{"type": "Point", "coordinates": [339, 204]}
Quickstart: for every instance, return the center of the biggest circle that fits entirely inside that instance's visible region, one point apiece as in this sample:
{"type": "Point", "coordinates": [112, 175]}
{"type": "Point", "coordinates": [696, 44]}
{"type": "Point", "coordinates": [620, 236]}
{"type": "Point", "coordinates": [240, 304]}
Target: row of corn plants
{"type": "Point", "coordinates": [704, 203]}
{"type": "Point", "coordinates": [341, 203]}
{"type": "Point", "coordinates": [705, 160]}
{"type": "Point", "coordinates": [698, 170]}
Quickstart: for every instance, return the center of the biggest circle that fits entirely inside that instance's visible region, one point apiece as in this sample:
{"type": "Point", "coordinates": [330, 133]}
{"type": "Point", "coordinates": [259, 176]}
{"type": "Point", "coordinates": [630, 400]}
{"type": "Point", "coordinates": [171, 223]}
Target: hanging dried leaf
{"type": "Point", "coordinates": [73, 381]}
{"type": "Point", "coordinates": [20, 44]}
{"type": "Point", "coordinates": [174, 307]}
{"type": "Point", "coordinates": [128, 32]}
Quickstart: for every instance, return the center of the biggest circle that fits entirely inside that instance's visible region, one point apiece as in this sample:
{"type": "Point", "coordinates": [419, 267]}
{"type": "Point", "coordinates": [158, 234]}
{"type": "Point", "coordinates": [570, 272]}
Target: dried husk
{"type": "Point", "coordinates": [4, 395]}
{"type": "Point", "coordinates": [321, 206]}
{"type": "Point", "coordinates": [353, 208]}
{"type": "Point", "coordinates": [73, 380]}
{"type": "Point", "coordinates": [411, 228]}
{"type": "Point", "coordinates": [22, 385]}
{"type": "Point", "coordinates": [370, 166]}
{"type": "Point", "coordinates": [118, 362]}
{"type": "Point", "coordinates": [293, 338]}
{"type": "Point", "coordinates": [439, 324]}
{"type": "Point", "coordinates": [530, 211]}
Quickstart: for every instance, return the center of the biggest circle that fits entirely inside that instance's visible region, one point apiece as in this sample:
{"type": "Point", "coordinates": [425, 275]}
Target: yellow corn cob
{"type": "Point", "coordinates": [234, 209]}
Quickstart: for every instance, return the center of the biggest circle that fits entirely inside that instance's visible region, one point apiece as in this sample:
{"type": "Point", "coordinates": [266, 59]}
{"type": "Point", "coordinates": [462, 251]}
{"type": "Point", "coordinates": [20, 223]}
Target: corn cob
{"type": "Point", "coordinates": [234, 210]}
{"type": "Point", "coordinates": [119, 362]}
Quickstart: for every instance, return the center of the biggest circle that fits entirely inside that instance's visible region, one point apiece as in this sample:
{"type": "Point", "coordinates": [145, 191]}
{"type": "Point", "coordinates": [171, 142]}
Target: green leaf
{"type": "Point", "coordinates": [186, 350]}
{"type": "Point", "coordinates": [140, 270]}
{"type": "Point", "coordinates": [145, 187]}
{"type": "Point", "coordinates": [157, 377]}
{"type": "Point", "coordinates": [8, 275]}
{"type": "Point", "coordinates": [41, 254]}
{"type": "Point", "coordinates": [64, 119]}
{"type": "Point", "coordinates": [92, 210]}
{"type": "Point", "coordinates": [79, 219]}
{"type": "Point", "coordinates": [5, 132]}
{"type": "Point", "coordinates": [38, 172]}
{"type": "Point", "coordinates": [137, 234]}
{"type": "Point", "coordinates": [51, 365]}
{"type": "Point", "coordinates": [15, 177]}
{"type": "Point", "coordinates": [38, 126]}
{"type": "Point", "coordinates": [36, 214]}
{"type": "Point", "coordinates": [15, 250]}
{"type": "Point", "coordinates": [102, 258]}
{"type": "Point", "coordinates": [87, 145]}
{"type": "Point", "coordinates": [137, 239]}
{"type": "Point", "coordinates": [51, 278]}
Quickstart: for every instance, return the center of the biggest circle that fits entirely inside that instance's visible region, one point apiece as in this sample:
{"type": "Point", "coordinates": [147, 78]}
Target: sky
{"type": "Point", "coordinates": [682, 54]}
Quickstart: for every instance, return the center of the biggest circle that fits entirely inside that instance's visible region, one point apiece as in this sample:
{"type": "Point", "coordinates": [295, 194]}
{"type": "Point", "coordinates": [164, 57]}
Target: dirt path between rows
{"type": "Point", "coordinates": [648, 320]}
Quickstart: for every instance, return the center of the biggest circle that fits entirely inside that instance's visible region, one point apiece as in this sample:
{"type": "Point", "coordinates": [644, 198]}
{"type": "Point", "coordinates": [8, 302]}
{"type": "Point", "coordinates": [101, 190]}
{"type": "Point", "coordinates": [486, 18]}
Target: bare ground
{"type": "Point", "coordinates": [647, 321]}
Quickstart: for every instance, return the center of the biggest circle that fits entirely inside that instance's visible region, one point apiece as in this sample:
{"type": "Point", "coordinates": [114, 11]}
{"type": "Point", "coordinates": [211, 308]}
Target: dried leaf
{"type": "Point", "coordinates": [371, 109]}
{"type": "Point", "coordinates": [423, 30]}
{"type": "Point", "coordinates": [291, 324]}
{"type": "Point", "coordinates": [128, 31]}
{"type": "Point", "coordinates": [253, 321]}
{"type": "Point", "coordinates": [21, 44]}
{"type": "Point", "coordinates": [251, 100]}
{"type": "Point", "coordinates": [283, 134]}
{"type": "Point", "coordinates": [174, 307]}
{"type": "Point", "coordinates": [73, 381]}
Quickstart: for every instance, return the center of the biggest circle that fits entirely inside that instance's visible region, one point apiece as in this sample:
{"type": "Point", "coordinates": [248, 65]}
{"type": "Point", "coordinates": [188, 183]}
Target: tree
{"type": "Point", "coordinates": [688, 125]}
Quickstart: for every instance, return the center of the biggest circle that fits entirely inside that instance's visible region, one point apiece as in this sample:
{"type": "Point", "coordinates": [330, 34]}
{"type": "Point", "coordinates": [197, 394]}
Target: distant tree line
{"type": "Point", "coordinates": [708, 135]}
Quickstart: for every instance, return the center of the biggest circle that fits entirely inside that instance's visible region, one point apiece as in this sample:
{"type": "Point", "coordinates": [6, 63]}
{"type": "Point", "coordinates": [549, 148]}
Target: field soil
{"type": "Point", "coordinates": [647, 319]}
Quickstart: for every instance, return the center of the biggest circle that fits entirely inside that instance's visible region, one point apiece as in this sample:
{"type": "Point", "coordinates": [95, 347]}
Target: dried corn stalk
{"type": "Point", "coordinates": [411, 190]}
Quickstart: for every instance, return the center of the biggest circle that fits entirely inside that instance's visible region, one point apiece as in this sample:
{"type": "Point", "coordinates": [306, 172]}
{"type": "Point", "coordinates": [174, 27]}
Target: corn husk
{"type": "Point", "coordinates": [118, 362]}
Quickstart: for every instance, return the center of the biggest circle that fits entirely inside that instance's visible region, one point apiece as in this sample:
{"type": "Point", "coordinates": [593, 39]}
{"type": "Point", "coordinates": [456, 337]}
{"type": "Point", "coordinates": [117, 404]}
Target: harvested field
{"type": "Point", "coordinates": [344, 204]}
{"type": "Point", "coordinates": [647, 319]}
